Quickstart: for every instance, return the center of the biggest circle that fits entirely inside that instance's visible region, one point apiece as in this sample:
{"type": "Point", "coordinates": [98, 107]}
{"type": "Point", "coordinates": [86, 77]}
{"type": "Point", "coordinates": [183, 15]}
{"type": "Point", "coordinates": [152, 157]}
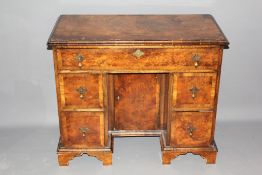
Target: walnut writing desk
{"type": "Point", "coordinates": [137, 75]}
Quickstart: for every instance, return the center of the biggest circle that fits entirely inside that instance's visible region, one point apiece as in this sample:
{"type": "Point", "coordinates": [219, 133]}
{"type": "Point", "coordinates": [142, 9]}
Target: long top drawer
{"type": "Point", "coordinates": [128, 59]}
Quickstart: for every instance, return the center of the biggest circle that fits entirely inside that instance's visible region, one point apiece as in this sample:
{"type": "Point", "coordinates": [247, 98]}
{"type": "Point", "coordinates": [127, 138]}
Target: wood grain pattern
{"type": "Point", "coordinates": [70, 97]}
{"type": "Point", "coordinates": [74, 121]}
{"type": "Point", "coordinates": [163, 106]}
{"type": "Point", "coordinates": [104, 90]}
{"type": "Point", "coordinates": [135, 29]}
{"type": "Point", "coordinates": [104, 156]}
{"type": "Point", "coordinates": [181, 133]}
{"type": "Point", "coordinates": [205, 95]}
{"type": "Point", "coordinates": [111, 102]}
{"type": "Point", "coordinates": [96, 52]}
{"type": "Point", "coordinates": [153, 59]}
{"type": "Point", "coordinates": [136, 101]}
{"type": "Point", "coordinates": [209, 156]}
{"type": "Point", "coordinates": [217, 91]}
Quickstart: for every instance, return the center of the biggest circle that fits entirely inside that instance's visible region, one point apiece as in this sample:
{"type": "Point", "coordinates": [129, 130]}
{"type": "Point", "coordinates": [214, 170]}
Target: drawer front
{"type": "Point", "coordinates": [82, 129]}
{"type": "Point", "coordinates": [138, 59]}
{"type": "Point", "coordinates": [191, 129]}
{"type": "Point", "coordinates": [196, 59]}
{"type": "Point", "coordinates": [194, 90]}
{"type": "Point", "coordinates": [81, 91]}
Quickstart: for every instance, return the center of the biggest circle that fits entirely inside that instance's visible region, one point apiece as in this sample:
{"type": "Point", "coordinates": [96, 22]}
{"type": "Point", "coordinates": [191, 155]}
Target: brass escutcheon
{"type": "Point", "coordinates": [194, 91]}
{"type": "Point", "coordinates": [138, 53]}
{"type": "Point", "coordinates": [196, 59]}
{"type": "Point", "coordinates": [81, 90]}
{"type": "Point", "coordinates": [79, 58]}
{"type": "Point", "coordinates": [191, 130]}
{"type": "Point", "coordinates": [84, 131]}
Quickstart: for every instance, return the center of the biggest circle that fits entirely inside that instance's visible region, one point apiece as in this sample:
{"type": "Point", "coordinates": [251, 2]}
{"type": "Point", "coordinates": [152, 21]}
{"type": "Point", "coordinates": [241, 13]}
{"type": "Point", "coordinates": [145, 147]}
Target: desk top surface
{"type": "Point", "coordinates": [136, 29]}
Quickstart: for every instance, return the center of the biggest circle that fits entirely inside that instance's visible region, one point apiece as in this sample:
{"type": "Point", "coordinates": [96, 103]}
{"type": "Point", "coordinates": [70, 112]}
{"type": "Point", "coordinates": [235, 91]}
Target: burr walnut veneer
{"type": "Point", "coordinates": [137, 75]}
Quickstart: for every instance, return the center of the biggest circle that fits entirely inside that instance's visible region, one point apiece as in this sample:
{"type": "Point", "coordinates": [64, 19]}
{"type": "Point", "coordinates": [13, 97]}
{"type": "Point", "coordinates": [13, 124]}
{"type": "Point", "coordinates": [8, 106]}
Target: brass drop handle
{"type": "Point", "coordinates": [138, 53]}
{"type": "Point", "coordinates": [79, 58]}
{"type": "Point", "coordinates": [84, 131]}
{"type": "Point", "coordinates": [196, 59]}
{"type": "Point", "coordinates": [190, 131]}
{"type": "Point", "coordinates": [81, 90]}
{"type": "Point", "coordinates": [194, 91]}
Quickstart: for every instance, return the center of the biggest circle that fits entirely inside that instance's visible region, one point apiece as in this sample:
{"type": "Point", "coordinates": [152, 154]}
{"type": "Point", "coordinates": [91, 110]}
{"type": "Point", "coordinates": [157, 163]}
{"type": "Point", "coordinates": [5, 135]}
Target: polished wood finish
{"type": "Point", "coordinates": [130, 111]}
{"type": "Point", "coordinates": [92, 96]}
{"type": "Point", "coordinates": [136, 29]}
{"type": "Point", "coordinates": [116, 59]}
{"type": "Point", "coordinates": [83, 129]}
{"type": "Point", "coordinates": [191, 129]}
{"type": "Point", "coordinates": [137, 75]}
{"type": "Point", "coordinates": [65, 157]}
{"type": "Point", "coordinates": [204, 97]}
{"type": "Point", "coordinates": [209, 156]}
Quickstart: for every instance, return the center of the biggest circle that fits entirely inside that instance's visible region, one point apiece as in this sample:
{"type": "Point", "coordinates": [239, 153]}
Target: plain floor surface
{"type": "Point", "coordinates": [32, 151]}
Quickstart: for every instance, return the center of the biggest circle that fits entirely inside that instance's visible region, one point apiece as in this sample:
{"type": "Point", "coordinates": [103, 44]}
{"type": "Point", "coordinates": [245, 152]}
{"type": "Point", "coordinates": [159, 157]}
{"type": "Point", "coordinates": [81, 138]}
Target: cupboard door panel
{"type": "Point", "coordinates": [136, 101]}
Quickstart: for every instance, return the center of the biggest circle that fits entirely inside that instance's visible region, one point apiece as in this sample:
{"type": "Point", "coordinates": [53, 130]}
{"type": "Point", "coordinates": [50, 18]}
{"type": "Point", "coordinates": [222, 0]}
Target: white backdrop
{"type": "Point", "coordinates": [27, 90]}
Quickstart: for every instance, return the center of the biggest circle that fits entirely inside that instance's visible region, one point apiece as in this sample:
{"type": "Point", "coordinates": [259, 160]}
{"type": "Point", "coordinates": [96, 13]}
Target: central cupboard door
{"type": "Point", "coordinates": [136, 99]}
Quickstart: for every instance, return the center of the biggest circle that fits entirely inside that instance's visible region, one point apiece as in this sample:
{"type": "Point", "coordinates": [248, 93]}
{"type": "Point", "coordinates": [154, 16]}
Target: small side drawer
{"type": "Point", "coordinates": [196, 59]}
{"type": "Point", "coordinates": [82, 129]}
{"type": "Point", "coordinates": [191, 129]}
{"type": "Point", "coordinates": [118, 59]}
{"type": "Point", "coordinates": [194, 90]}
{"type": "Point", "coordinates": [81, 91]}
